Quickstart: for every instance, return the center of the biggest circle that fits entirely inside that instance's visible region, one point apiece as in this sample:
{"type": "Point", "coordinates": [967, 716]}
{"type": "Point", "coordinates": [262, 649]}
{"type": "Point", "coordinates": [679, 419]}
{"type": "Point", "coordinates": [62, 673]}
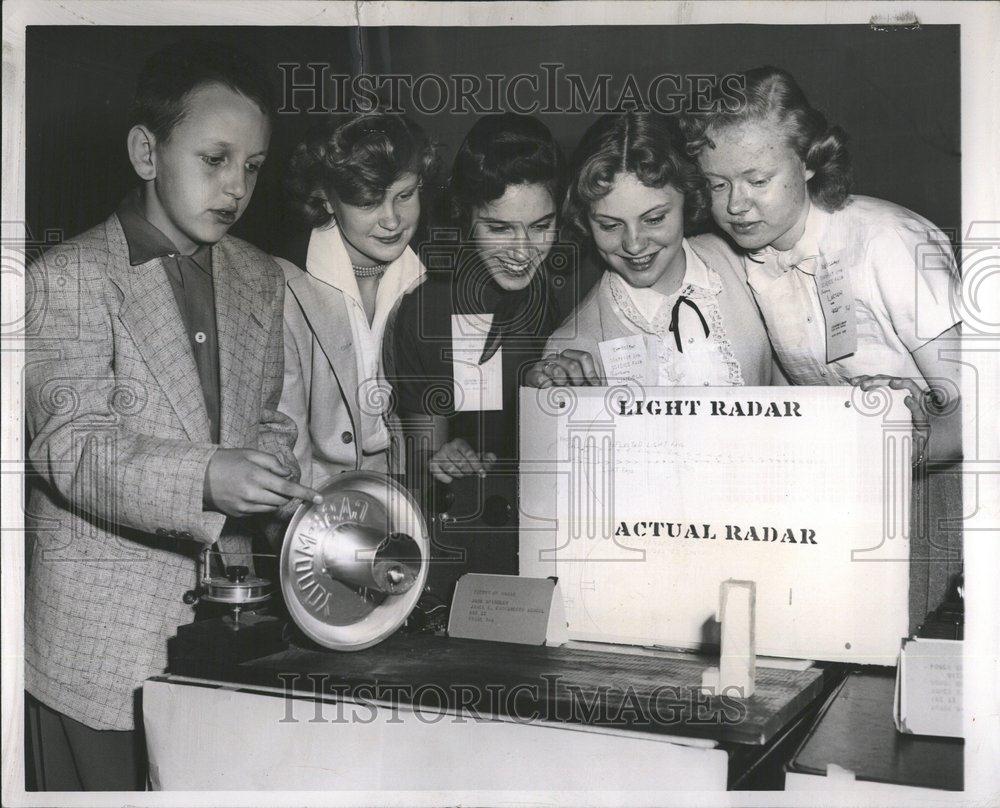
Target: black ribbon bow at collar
{"type": "Point", "coordinates": [675, 316]}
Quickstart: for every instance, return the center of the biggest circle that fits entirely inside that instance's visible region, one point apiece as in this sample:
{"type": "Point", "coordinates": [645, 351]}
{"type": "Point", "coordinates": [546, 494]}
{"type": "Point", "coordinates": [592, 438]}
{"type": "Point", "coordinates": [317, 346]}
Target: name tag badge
{"type": "Point", "coordinates": [629, 359]}
{"type": "Point", "coordinates": [477, 387]}
{"type": "Point", "coordinates": [837, 301]}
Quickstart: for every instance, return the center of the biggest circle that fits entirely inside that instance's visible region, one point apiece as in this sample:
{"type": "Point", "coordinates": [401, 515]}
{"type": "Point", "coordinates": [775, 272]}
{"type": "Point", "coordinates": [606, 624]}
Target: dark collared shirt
{"type": "Point", "coordinates": [190, 278]}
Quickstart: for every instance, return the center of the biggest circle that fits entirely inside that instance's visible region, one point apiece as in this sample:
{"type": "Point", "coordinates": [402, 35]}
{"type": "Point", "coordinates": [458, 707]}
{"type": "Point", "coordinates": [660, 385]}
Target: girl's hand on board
{"type": "Point", "coordinates": [568, 368]}
{"type": "Point", "coordinates": [914, 402]}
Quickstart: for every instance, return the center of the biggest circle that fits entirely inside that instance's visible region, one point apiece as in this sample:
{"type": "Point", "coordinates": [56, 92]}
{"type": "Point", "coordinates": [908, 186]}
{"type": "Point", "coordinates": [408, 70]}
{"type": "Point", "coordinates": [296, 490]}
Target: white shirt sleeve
{"type": "Point", "coordinates": [914, 274]}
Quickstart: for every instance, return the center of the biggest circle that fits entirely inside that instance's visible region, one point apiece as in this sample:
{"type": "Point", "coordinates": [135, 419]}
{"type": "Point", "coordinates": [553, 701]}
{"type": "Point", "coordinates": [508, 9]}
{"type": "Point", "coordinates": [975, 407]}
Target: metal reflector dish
{"type": "Point", "coordinates": [354, 566]}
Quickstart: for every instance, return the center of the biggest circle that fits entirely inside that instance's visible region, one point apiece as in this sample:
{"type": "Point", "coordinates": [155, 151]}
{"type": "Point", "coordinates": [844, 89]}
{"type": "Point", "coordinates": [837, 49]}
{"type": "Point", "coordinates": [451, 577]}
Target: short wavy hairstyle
{"type": "Point", "coordinates": [355, 158]}
{"type": "Point", "coordinates": [772, 94]}
{"type": "Point", "coordinates": [500, 151]}
{"type": "Point", "coordinates": [645, 144]}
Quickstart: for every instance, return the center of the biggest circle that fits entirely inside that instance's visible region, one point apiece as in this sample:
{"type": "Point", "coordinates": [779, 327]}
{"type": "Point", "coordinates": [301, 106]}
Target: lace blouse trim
{"type": "Point", "coordinates": [671, 360]}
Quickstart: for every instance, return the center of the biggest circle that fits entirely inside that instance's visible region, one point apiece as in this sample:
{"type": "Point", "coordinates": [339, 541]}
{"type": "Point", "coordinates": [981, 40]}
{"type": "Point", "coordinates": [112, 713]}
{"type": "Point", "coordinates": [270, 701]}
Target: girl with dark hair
{"type": "Point", "coordinates": [462, 340]}
{"type": "Point", "coordinates": [357, 180]}
{"type": "Point", "coordinates": [668, 310]}
{"type": "Point", "coordinates": [854, 290]}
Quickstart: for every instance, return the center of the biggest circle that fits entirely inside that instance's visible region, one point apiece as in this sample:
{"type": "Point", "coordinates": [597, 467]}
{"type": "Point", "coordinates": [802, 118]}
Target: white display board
{"type": "Point", "coordinates": [643, 502]}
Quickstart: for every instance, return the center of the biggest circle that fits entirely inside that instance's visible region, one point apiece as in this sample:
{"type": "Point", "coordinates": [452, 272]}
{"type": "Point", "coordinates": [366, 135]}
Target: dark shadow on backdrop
{"type": "Point", "coordinates": [896, 92]}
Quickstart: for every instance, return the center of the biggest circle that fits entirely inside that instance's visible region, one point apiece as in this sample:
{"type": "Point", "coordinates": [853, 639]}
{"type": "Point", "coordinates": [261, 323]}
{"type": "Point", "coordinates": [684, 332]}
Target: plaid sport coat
{"type": "Point", "coordinates": [119, 446]}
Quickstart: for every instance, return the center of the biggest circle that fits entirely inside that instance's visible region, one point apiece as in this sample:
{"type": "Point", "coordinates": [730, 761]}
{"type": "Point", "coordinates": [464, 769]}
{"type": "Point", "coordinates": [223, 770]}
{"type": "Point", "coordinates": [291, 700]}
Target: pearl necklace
{"type": "Point", "coordinates": [369, 272]}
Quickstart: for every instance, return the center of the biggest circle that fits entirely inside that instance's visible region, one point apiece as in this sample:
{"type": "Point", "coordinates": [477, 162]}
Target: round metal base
{"type": "Point", "coordinates": [250, 591]}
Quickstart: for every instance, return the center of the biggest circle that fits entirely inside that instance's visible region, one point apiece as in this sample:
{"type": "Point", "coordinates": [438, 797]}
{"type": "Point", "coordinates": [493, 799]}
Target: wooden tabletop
{"type": "Point", "coordinates": [536, 683]}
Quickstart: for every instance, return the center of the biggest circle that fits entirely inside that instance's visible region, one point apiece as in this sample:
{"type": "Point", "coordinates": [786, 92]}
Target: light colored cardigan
{"type": "Point", "coordinates": [595, 320]}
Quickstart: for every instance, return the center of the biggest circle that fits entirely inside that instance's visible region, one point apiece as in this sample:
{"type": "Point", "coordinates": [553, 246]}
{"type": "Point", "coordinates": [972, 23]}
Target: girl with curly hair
{"type": "Point", "coordinates": [854, 290]}
{"type": "Point", "coordinates": [633, 192]}
{"type": "Point", "coordinates": [357, 180]}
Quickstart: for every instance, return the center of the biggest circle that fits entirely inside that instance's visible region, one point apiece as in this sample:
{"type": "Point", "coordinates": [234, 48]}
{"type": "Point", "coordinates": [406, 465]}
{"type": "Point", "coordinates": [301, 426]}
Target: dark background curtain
{"type": "Point", "coordinates": [897, 94]}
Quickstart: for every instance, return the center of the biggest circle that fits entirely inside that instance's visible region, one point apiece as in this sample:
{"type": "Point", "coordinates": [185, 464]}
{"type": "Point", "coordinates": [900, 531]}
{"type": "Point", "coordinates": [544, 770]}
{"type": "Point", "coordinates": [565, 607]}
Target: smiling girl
{"type": "Point", "coordinates": [854, 290]}
{"type": "Point", "coordinates": [476, 328]}
{"type": "Point", "coordinates": [633, 192]}
{"type": "Point", "coordinates": [357, 180]}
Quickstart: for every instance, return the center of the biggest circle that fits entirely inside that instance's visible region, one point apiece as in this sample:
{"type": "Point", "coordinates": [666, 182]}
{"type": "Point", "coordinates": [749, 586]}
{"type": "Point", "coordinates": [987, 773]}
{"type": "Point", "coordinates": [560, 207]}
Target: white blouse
{"type": "Point", "coordinates": [328, 261]}
{"type": "Point", "coordinates": [901, 273]}
{"type": "Point", "coordinates": [697, 350]}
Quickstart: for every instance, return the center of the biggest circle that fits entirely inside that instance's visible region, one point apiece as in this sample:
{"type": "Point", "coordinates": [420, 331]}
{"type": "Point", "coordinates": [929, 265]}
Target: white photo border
{"type": "Point", "coordinates": [980, 176]}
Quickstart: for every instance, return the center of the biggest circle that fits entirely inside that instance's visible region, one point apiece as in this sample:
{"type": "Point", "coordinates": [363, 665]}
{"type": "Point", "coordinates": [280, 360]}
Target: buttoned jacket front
{"type": "Point", "coordinates": [120, 443]}
{"type": "Point", "coordinates": [323, 392]}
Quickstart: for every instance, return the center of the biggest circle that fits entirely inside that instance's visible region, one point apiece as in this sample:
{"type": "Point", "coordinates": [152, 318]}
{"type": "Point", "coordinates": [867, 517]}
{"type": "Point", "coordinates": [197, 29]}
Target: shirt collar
{"type": "Point", "coordinates": [695, 275]}
{"type": "Point", "coordinates": [695, 271]}
{"type": "Point", "coordinates": [327, 260]}
{"type": "Point", "coordinates": [146, 241]}
{"type": "Point", "coordinates": [802, 253]}
{"type": "Point", "coordinates": [696, 284]}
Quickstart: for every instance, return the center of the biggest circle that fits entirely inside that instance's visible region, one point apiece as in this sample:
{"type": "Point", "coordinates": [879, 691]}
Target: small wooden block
{"type": "Point", "coordinates": [737, 660]}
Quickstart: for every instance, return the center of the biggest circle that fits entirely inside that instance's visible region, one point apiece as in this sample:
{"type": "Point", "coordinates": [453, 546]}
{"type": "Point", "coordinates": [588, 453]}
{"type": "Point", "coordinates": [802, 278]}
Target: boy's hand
{"type": "Point", "coordinates": [457, 459]}
{"type": "Point", "coordinates": [240, 482]}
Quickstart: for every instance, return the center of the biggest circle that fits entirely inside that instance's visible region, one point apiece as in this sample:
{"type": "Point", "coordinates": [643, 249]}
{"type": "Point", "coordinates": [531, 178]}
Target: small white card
{"type": "Point", "coordinates": [628, 359]}
{"type": "Point", "coordinates": [508, 608]}
{"type": "Point", "coordinates": [477, 387]}
{"type": "Point", "coordinates": [929, 688]}
{"type": "Point", "coordinates": [837, 302]}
